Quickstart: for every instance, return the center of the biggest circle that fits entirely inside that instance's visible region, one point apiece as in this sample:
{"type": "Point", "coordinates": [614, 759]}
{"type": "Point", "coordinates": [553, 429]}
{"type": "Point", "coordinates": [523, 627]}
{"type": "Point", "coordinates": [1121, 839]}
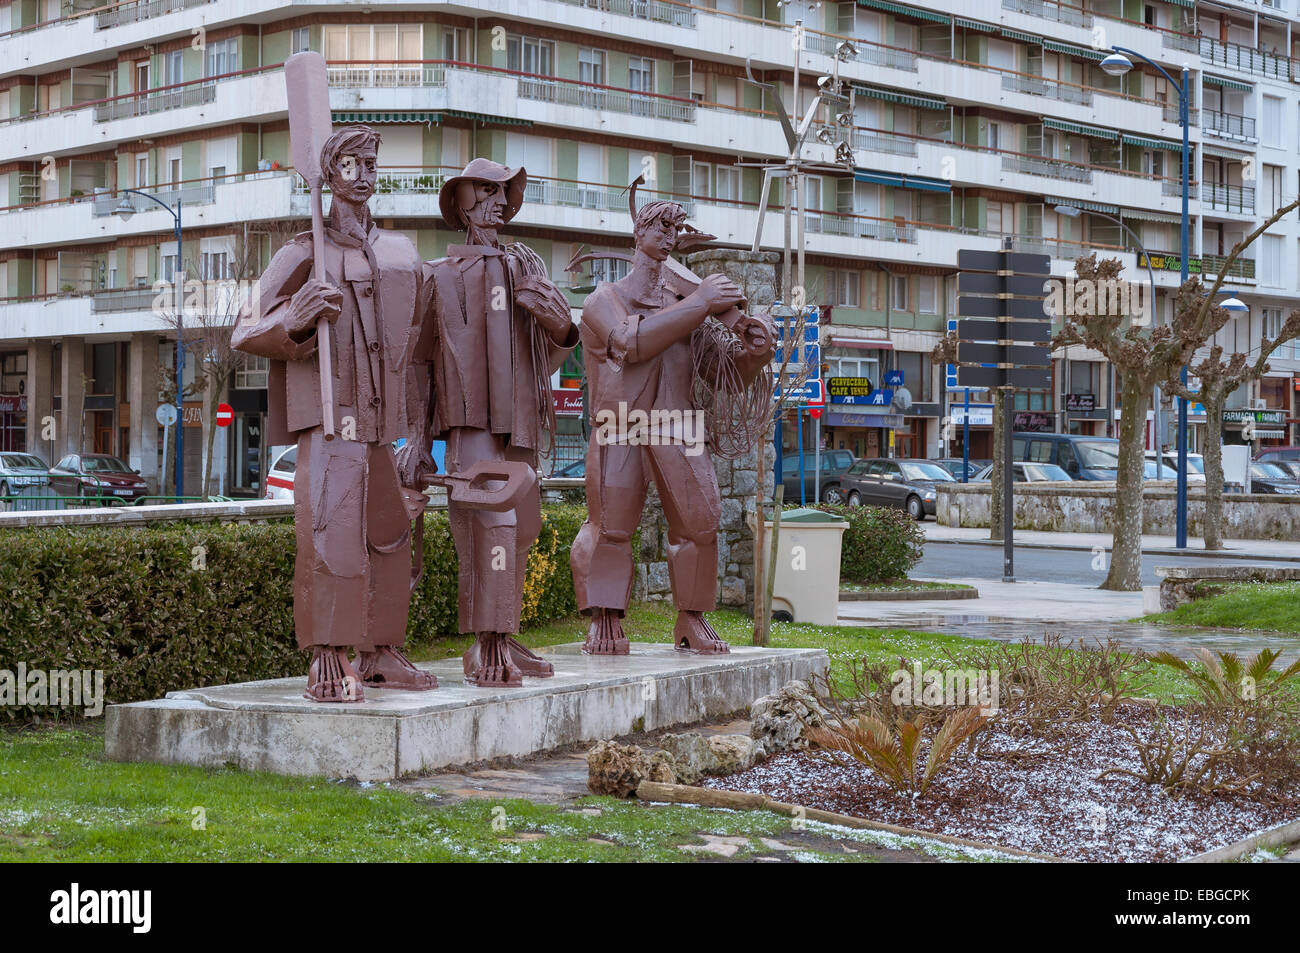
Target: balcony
{"type": "Point", "coordinates": [1171, 114]}
{"type": "Point", "coordinates": [1052, 168]}
{"type": "Point", "coordinates": [1245, 59]}
{"type": "Point", "coordinates": [1049, 88]}
{"type": "Point", "coordinates": [142, 10]}
{"type": "Point", "coordinates": [106, 202]}
{"type": "Point", "coordinates": [1208, 265]}
{"type": "Point", "coordinates": [148, 103]}
{"type": "Point", "coordinates": [386, 75]}
{"type": "Point", "coordinates": [656, 11]}
{"type": "Point", "coordinates": [1229, 198]}
{"type": "Point", "coordinates": [1061, 13]}
{"type": "Point", "coordinates": [871, 140]}
{"type": "Point", "coordinates": [1230, 124]}
{"type": "Point", "coordinates": [123, 299]}
{"type": "Point", "coordinates": [604, 98]}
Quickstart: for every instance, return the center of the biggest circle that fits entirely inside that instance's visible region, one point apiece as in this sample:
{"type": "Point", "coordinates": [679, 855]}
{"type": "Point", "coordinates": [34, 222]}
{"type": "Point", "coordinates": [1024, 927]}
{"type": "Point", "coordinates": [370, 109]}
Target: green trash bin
{"type": "Point", "coordinates": [808, 566]}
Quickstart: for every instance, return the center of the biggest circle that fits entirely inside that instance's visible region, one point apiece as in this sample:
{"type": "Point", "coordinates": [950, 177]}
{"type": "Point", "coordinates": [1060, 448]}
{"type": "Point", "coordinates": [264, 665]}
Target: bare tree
{"type": "Point", "coordinates": [1145, 357]}
{"type": "Point", "coordinates": [1219, 379]}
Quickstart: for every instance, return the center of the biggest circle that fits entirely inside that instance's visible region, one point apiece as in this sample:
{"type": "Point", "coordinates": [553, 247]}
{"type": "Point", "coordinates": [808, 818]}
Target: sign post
{"type": "Point", "coordinates": [166, 416]}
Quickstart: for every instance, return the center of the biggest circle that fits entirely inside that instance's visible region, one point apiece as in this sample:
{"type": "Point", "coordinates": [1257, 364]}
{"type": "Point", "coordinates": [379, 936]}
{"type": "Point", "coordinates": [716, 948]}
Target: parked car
{"type": "Point", "coordinates": [1083, 458]}
{"type": "Point", "coordinates": [279, 481]}
{"type": "Point", "coordinates": [1278, 455]}
{"type": "Point", "coordinates": [954, 466]}
{"type": "Point", "coordinates": [1161, 471]}
{"type": "Point", "coordinates": [1195, 466]}
{"type": "Point", "coordinates": [573, 471]}
{"type": "Point", "coordinates": [97, 475]}
{"type": "Point", "coordinates": [1271, 478]}
{"type": "Point", "coordinates": [905, 483]}
{"type": "Point", "coordinates": [835, 463]}
{"type": "Point", "coordinates": [22, 474]}
{"type": "Point", "coordinates": [1028, 473]}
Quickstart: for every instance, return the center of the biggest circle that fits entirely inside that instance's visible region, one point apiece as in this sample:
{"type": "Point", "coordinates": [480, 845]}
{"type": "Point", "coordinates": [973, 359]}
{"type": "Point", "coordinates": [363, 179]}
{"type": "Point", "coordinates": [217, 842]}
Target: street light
{"type": "Point", "coordinates": [125, 209]}
{"type": "Point", "coordinates": [1117, 63]}
{"type": "Point", "coordinates": [1071, 211]}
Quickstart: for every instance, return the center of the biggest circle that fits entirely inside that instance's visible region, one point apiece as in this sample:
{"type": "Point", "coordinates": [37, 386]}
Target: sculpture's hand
{"type": "Point", "coordinates": [758, 336]}
{"type": "Point", "coordinates": [718, 294]}
{"type": "Point", "coordinates": [415, 465]}
{"type": "Point", "coordinates": [313, 301]}
{"type": "Point", "coordinates": [545, 302]}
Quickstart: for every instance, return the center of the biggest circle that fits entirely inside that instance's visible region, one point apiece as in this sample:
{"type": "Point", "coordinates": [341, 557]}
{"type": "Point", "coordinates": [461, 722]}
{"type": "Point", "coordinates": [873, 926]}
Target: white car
{"type": "Point", "coordinates": [1195, 466]}
{"type": "Point", "coordinates": [279, 481]}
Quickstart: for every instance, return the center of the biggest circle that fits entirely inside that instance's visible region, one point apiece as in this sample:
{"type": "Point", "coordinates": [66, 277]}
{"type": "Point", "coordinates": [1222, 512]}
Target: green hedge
{"type": "Point", "coordinates": [880, 544]}
{"type": "Point", "coordinates": [140, 605]}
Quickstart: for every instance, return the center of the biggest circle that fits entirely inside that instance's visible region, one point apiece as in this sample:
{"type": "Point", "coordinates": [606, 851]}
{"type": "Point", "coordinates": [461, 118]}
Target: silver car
{"type": "Point", "coordinates": [22, 475]}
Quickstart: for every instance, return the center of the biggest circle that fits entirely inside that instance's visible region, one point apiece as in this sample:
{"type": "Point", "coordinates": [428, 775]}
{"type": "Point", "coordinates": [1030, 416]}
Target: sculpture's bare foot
{"type": "Point", "coordinates": [387, 667]}
{"type": "Point", "coordinates": [692, 633]}
{"type": "Point", "coordinates": [605, 635]}
{"type": "Point", "coordinates": [526, 660]}
{"type": "Point", "coordinates": [488, 664]}
{"type": "Point", "coordinates": [331, 677]}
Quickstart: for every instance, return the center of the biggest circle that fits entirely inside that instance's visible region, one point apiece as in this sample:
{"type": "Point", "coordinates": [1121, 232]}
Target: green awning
{"type": "Point", "coordinates": [1227, 83]}
{"type": "Point", "coordinates": [1079, 129]}
{"type": "Point", "coordinates": [1022, 37]}
{"type": "Point", "coordinates": [1083, 52]}
{"type": "Point", "coordinates": [894, 96]}
{"type": "Point", "coordinates": [1163, 217]}
{"type": "Point", "coordinates": [1055, 200]}
{"type": "Point", "coordinates": [974, 25]}
{"type": "Point", "coordinates": [1184, 3]}
{"type": "Point", "coordinates": [1146, 143]}
{"type": "Point", "coordinates": [904, 11]}
{"type": "Point", "coordinates": [432, 118]}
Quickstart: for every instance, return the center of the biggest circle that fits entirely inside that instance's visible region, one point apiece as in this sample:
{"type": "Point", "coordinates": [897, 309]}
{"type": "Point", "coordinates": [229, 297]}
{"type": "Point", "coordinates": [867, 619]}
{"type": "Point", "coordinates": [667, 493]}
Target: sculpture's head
{"type": "Point", "coordinates": [657, 227]}
{"type": "Point", "coordinates": [349, 163]}
{"type": "Point", "coordinates": [486, 195]}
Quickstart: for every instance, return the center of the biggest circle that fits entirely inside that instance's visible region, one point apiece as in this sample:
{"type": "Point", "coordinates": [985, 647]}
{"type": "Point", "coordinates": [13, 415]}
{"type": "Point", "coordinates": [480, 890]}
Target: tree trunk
{"type": "Point", "coordinates": [999, 461]}
{"type": "Point", "coordinates": [1212, 531]}
{"type": "Point", "coordinates": [1126, 545]}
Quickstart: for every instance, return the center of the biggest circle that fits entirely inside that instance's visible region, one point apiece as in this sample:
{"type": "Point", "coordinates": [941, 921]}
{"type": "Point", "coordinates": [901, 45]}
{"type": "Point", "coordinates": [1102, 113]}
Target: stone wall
{"type": "Point", "coordinates": [1087, 507]}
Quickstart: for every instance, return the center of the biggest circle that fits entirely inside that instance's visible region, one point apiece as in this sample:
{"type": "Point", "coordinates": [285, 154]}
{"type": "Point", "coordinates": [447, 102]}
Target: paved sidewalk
{"type": "Point", "coordinates": [1028, 601]}
{"type": "Point", "coordinates": [1273, 549]}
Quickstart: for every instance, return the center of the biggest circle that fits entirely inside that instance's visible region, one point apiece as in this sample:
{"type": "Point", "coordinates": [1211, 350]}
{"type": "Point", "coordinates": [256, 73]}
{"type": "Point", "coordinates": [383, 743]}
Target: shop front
{"type": "Point", "coordinates": [13, 422]}
{"type": "Point", "coordinates": [863, 433]}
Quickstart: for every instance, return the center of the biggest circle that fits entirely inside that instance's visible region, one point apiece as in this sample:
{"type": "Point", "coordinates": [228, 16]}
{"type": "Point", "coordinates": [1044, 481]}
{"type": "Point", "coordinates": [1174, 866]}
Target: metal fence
{"type": "Point", "coordinates": [154, 102]}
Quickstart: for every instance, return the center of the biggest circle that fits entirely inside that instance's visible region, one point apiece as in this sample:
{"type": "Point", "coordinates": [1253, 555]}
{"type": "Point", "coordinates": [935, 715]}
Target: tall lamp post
{"type": "Point", "coordinates": [124, 211]}
{"type": "Point", "coordinates": [1117, 64]}
{"type": "Point", "coordinates": [1071, 211]}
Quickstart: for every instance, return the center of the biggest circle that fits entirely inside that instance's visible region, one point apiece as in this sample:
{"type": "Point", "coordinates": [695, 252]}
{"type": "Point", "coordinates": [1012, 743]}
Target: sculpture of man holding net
{"type": "Point", "coordinates": [671, 361]}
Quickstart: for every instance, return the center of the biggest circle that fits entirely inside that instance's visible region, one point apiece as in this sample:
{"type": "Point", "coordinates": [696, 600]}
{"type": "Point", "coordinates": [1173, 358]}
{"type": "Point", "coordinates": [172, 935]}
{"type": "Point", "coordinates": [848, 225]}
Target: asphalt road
{"type": "Point", "coordinates": [974, 561]}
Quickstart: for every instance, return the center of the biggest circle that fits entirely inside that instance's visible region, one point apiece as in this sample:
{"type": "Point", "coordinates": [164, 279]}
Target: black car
{"type": "Point", "coordinates": [906, 483]}
{"type": "Point", "coordinates": [1272, 478]}
{"type": "Point", "coordinates": [954, 466]}
{"type": "Point", "coordinates": [835, 463]}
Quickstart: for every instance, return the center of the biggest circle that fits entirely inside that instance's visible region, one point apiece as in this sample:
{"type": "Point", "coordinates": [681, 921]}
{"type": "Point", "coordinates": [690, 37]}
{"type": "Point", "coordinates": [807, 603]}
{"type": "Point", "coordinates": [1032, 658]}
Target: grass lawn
{"type": "Point", "coordinates": [1274, 607]}
{"type": "Point", "coordinates": [60, 801]}
{"type": "Point", "coordinates": [900, 585]}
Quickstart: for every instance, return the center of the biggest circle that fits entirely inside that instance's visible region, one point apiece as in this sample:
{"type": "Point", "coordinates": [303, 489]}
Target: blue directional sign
{"type": "Point", "coordinates": [810, 392]}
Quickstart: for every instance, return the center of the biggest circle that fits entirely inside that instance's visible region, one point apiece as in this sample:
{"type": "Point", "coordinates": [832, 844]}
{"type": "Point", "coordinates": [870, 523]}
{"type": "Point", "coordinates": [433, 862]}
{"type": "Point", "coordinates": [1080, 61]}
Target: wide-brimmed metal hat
{"type": "Point", "coordinates": [483, 170]}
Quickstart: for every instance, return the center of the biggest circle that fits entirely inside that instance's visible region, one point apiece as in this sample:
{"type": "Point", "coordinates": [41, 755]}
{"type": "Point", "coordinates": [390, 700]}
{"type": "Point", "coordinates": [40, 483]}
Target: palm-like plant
{"type": "Point", "coordinates": [1222, 679]}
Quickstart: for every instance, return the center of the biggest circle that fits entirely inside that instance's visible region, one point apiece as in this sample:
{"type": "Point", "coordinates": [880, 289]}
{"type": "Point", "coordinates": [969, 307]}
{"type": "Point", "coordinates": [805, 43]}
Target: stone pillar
{"type": "Point", "coordinates": [72, 420]}
{"type": "Point", "coordinates": [755, 273]}
{"type": "Point", "coordinates": [40, 400]}
{"type": "Point", "coordinates": [142, 395]}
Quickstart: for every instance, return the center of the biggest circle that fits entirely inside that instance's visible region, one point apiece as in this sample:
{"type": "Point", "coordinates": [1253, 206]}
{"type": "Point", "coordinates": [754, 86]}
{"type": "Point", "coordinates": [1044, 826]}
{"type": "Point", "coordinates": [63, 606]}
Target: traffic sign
{"type": "Point", "coordinates": [1028, 332]}
{"type": "Point", "coordinates": [1017, 377]}
{"type": "Point", "coordinates": [165, 414]}
{"type": "Point", "coordinates": [810, 392]}
{"type": "Point", "coordinates": [225, 415]}
{"type": "Point", "coordinates": [1005, 355]}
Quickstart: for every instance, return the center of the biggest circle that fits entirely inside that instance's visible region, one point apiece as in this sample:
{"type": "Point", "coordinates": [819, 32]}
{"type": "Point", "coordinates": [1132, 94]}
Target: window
{"type": "Point", "coordinates": [916, 373]}
{"type": "Point", "coordinates": [608, 269]}
{"type": "Point", "coordinates": [252, 375]}
{"type": "Point", "coordinates": [927, 293]}
{"type": "Point", "coordinates": [728, 183]}
{"type": "Point", "coordinates": [1085, 377]}
{"type": "Point", "coordinates": [455, 44]}
{"type": "Point", "coordinates": [591, 66]}
{"type": "Point", "coordinates": [527, 55]}
{"type": "Point", "coordinates": [1272, 127]}
{"type": "Point", "coordinates": [1001, 217]}
{"type": "Point", "coordinates": [1272, 319]}
{"type": "Point", "coordinates": [868, 367]}
{"type": "Point", "coordinates": [995, 136]}
{"type": "Point", "coordinates": [300, 40]}
{"type": "Point", "coordinates": [898, 293]}
{"type": "Point", "coordinates": [223, 57]}
{"type": "Point", "coordinates": [1270, 261]}
{"type": "Point", "coordinates": [1153, 163]}
{"type": "Point", "coordinates": [382, 42]}
{"type": "Point", "coordinates": [701, 179]}
{"type": "Point", "coordinates": [142, 171]}
{"type": "Point", "coordinates": [174, 67]}
{"type": "Point", "coordinates": [842, 288]}
{"type": "Point", "coordinates": [641, 74]}
{"type": "Point", "coordinates": [214, 266]}
{"type": "Point", "coordinates": [174, 172]}
{"type": "Point", "coordinates": [1271, 186]}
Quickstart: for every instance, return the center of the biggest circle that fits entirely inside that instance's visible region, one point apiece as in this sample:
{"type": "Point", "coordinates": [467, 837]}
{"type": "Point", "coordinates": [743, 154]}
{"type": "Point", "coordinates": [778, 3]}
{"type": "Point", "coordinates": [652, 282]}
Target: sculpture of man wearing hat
{"type": "Point", "coordinates": [494, 330]}
{"type": "Point", "coordinates": [353, 576]}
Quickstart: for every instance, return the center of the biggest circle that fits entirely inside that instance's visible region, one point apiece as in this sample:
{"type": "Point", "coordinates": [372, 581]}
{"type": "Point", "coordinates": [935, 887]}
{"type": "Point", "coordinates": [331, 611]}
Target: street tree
{"type": "Point", "coordinates": [1144, 356]}
{"type": "Point", "coordinates": [1219, 378]}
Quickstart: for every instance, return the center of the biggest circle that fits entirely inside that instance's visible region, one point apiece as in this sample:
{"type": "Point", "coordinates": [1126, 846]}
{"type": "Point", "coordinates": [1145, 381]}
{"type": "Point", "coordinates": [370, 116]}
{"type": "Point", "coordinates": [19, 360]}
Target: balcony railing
{"type": "Point", "coordinates": [128, 299]}
{"type": "Point", "coordinates": [142, 10]}
{"type": "Point", "coordinates": [871, 140]}
{"type": "Point", "coordinates": [106, 203]}
{"type": "Point", "coordinates": [1245, 59]}
{"type": "Point", "coordinates": [147, 103]}
{"type": "Point", "coordinates": [1205, 265]}
{"type": "Point", "coordinates": [591, 96]}
{"type": "Point", "coordinates": [1061, 13]}
{"type": "Point", "coordinates": [1049, 88]}
{"type": "Point", "coordinates": [1178, 41]}
{"type": "Point", "coordinates": [1229, 198]}
{"type": "Point", "coordinates": [656, 11]}
{"type": "Point", "coordinates": [1230, 124]}
{"type": "Point", "coordinates": [386, 75]}
{"type": "Point", "coordinates": [1171, 113]}
{"type": "Point", "coordinates": [1052, 168]}
{"type": "Point", "coordinates": [1174, 186]}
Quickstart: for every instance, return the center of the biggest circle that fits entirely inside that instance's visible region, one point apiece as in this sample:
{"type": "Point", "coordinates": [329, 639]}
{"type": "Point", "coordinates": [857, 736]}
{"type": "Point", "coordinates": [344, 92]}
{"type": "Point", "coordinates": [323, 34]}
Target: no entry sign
{"type": "Point", "coordinates": [225, 414]}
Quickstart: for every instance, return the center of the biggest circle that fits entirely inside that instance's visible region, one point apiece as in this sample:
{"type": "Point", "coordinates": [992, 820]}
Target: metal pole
{"type": "Point", "coordinates": [1181, 516]}
{"type": "Point", "coordinates": [1008, 500]}
{"type": "Point", "coordinates": [179, 277]}
{"type": "Point", "coordinates": [817, 458]}
{"type": "Point", "coordinates": [965, 442]}
{"type": "Point", "coordinates": [803, 489]}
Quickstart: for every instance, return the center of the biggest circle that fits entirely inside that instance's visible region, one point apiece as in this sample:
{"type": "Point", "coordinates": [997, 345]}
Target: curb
{"type": "Point", "coordinates": [1163, 551]}
{"type": "Point", "coordinates": [1282, 835]}
{"type": "Point", "coordinates": [907, 595]}
{"type": "Point", "coordinates": [740, 801]}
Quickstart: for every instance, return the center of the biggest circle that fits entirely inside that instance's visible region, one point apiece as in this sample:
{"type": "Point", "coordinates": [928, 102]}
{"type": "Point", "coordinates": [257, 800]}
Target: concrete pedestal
{"type": "Point", "coordinates": [269, 726]}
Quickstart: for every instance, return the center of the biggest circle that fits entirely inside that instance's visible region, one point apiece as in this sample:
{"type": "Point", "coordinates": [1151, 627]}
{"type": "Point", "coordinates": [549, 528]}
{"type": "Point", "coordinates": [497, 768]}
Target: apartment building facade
{"type": "Point", "coordinates": [973, 121]}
